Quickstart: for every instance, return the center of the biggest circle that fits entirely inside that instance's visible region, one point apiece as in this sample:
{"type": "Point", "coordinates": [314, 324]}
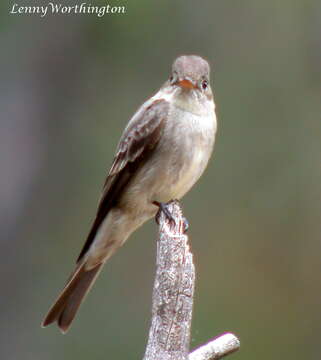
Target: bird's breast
{"type": "Point", "coordinates": [186, 148]}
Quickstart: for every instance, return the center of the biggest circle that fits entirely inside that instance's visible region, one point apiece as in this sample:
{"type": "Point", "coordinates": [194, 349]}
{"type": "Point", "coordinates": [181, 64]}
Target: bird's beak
{"type": "Point", "coordinates": [186, 84]}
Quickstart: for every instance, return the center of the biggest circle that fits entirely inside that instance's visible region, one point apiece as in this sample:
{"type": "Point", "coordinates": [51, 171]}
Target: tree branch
{"type": "Point", "coordinates": [217, 348]}
{"type": "Point", "coordinates": [169, 334]}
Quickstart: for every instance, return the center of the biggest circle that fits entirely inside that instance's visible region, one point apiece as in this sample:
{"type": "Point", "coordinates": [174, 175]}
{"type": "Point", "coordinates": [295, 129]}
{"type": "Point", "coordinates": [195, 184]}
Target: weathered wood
{"type": "Point", "coordinates": [216, 348]}
{"type": "Point", "coordinates": [169, 334]}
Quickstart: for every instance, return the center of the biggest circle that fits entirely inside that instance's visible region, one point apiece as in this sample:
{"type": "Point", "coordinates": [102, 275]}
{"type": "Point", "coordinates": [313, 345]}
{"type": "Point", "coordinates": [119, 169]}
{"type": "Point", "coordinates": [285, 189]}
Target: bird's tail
{"type": "Point", "coordinates": [65, 307]}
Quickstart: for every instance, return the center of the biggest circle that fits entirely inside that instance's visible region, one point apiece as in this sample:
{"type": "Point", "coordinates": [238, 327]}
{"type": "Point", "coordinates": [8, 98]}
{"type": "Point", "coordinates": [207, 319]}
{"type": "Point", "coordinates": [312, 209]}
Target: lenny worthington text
{"type": "Point", "coordinates": [58, 8]}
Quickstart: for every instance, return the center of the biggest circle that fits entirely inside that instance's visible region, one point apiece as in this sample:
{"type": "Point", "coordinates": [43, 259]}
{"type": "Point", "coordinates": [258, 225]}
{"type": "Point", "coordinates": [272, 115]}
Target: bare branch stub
{"type": "Point", "coordinates": [217, 348]}
{"type": "Point", "coordinates": [169, 334]}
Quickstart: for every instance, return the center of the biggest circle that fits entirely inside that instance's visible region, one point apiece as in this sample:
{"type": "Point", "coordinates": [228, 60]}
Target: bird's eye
{"type": "Point", "coordinates": [173, 78]}
{"type": "Point", "coordinates": [204, 84]}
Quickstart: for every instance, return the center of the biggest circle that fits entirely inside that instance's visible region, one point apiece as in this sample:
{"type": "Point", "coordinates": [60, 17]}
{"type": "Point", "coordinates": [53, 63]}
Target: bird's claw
{"type": "Point", "coordinates": [162, 207]}
{"type": "Point", "coordinates": [185, 225]}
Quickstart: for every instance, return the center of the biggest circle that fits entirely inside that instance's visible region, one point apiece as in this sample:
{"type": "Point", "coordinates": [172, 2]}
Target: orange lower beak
{"type": "Point", "coordinates": [186, 84]}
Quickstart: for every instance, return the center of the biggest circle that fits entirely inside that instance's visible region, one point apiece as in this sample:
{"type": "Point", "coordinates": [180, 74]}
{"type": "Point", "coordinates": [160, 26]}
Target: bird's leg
{"type": "Point", "coordinates": [163, 208]}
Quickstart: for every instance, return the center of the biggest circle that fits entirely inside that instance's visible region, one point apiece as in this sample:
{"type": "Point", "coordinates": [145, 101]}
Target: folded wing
{"type": "Point", "coordinates": [136, 145]}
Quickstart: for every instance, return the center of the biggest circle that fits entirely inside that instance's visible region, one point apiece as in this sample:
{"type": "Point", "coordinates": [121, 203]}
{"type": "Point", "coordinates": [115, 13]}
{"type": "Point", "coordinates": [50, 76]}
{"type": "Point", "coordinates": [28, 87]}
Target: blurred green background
{"type": "Point", "coordinates": [69, 84]}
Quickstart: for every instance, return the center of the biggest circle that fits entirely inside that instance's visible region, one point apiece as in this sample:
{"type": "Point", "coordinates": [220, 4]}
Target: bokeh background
{"type": "Point", "coordinates": [69, 84]}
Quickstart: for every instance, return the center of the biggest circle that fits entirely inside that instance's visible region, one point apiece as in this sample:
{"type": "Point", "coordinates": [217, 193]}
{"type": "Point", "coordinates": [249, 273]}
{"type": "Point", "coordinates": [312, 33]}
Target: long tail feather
{"type": "Point", "coordinates": [65, 307]}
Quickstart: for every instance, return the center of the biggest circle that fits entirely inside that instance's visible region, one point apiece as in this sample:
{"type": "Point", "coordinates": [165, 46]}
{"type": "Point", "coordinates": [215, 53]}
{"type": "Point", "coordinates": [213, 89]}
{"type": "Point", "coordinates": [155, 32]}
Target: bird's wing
{"type": "Point", "coordinates": [136, 144]}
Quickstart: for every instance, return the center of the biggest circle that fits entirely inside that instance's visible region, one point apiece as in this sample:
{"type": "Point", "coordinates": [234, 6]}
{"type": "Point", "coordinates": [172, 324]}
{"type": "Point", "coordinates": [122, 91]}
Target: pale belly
{"type": "Point", "coordinates": [178, 162]}
{"type": "Point", "coordinates": [188, 175]}
{"type": "Point", "coordinates": [184, 157]}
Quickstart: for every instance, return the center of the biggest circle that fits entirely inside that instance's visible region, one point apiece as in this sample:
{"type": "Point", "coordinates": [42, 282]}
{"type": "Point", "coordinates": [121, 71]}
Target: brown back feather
{"type": "Point", "coordinates": [135, 146]}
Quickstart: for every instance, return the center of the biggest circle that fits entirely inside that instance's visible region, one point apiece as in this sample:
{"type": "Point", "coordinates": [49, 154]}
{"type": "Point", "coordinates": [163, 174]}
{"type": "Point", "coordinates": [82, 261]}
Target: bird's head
{"type": "Point", "coordinates": [191, 73]}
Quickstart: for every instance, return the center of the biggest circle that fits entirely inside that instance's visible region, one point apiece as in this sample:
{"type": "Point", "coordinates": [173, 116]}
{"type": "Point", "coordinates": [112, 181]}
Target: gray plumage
{"type": "Point", "coordinates": [162, 153]}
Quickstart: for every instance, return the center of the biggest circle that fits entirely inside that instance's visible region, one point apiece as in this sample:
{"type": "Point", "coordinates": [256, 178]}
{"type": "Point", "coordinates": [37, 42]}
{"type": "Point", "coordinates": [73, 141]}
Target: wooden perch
{"type": "Point", "coordinates": [169, 334]}
{"type": "Point", "coordinates": [217, 348]}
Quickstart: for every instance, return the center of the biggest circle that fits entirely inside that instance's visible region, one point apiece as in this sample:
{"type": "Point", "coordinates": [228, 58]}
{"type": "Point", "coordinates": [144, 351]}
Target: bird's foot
{"type": "Point", "coordinates": [162, 207]}
{"type": "Point", "coordinates": [185, 225]}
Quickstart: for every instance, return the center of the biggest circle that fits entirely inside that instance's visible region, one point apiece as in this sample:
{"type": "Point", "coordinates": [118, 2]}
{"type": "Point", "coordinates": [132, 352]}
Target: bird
{"type": "Point", "coordinates": [162, 152]}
